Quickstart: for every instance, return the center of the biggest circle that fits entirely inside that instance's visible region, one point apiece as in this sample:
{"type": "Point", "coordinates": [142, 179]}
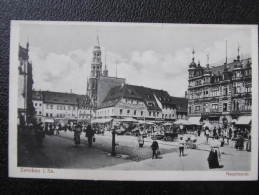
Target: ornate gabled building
{"type": "Point", "coordinates": [221, 93]}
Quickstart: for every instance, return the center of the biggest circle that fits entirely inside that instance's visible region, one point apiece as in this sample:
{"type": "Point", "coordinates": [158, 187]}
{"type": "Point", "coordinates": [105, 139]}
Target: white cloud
{"type": "Point", "coordinates": [62, 71]}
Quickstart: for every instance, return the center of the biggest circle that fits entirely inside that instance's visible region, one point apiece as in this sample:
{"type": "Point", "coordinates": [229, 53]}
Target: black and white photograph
{"type": "Point", "coordinates": [133, 101]}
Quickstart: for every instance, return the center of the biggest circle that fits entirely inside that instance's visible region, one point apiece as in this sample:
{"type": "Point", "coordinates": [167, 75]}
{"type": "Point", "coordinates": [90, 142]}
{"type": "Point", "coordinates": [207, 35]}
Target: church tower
{"type": "Point", "coordinates": [96, 65]}
{"type": "Point", "coordinates": [96, 73]}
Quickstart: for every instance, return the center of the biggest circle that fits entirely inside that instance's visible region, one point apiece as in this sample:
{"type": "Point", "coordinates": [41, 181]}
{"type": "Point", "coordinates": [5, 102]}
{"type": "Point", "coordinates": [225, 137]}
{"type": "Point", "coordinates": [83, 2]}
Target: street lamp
{"type": "Point", "coordinates": [113, 153]}
{"type": "Point", "coordinates": [113, 143]}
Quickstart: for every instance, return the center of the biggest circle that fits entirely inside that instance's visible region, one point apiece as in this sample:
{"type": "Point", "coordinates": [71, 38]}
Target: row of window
{"type": "Point", "coordinates": [215, 107]}
{"type": "Point", "coordinates": [216, 92]}
{"type": "Point", "coordinates": [59, 115]}
{"type": "Point", "coordinates": [60, 107]}
{"type": "Point", "coordinates": [135, 113]}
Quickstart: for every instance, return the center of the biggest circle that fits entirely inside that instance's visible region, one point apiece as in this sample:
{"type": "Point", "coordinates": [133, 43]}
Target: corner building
{"type": "Point", "coordinates": [221, 94]}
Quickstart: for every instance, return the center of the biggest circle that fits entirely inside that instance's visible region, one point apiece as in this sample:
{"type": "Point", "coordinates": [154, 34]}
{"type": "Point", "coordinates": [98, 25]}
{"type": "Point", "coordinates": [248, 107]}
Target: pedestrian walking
{"type": "Point", "coordinates": [77, 133]}
{"type": "Point", "coordinates": [207, 134]}
{"type": "Point", "coordinates": [181, 146]}
{"type": "Point", "coordinates": [89, 135]}
{"type": "Point", "coordinates": [155, 148]}
{"type": "Point", "coordinates": [214, 132]}
{"type": "Point", "coordinates": [240, 142]}
{"type": "Point", "coordinates": [140, 141]}
{"type": "Point", "coordinates": [215, 154]}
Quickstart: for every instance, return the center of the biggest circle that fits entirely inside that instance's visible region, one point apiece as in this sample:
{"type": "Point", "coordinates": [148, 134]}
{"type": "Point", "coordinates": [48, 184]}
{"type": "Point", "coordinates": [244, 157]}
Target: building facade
{"type": "Point", "coordinates": [25, 83]}
{"type": "Point", "coordinates": [60, 108]}
{"type": "Point", "coordinates": [221, 94]}
{"type": "Point", "coordinates": [138, 102]}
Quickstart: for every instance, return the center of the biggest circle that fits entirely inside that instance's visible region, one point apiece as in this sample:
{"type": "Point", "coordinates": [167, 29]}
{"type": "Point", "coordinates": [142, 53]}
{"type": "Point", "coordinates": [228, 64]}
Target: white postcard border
{"type": "Point", "coordinates": [153, 175]}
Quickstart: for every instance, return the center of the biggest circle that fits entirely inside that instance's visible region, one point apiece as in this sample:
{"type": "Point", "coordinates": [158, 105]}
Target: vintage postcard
{"type": "Point", "coordinates": [131, 101]}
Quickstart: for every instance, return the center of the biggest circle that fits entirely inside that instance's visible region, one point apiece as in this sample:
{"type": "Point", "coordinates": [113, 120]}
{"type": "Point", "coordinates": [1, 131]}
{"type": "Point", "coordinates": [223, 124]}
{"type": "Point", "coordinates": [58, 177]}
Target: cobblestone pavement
{"type": "Point", "coordinates": [128, 145]}
{"type": "Point", "coordinates": [57, 152]}
{"type": "Point", "coordinates": [231, 160]}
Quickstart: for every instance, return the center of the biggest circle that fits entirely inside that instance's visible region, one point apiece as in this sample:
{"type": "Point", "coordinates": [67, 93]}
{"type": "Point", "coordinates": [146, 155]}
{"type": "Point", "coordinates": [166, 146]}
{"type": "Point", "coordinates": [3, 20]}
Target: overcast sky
{"type": "Point", "coordinates": [155, 55]}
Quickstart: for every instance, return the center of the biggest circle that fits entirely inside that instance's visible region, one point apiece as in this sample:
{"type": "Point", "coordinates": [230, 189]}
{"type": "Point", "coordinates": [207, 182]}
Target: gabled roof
{"type": "Point", "coordinates": [218, 70]}
{"type": "Point", "coordinates": [144, 94]}
{"type": "Point", "coordinates": [59, 98]}
{"type": "Point", "coordinates": [180, 103]}
{"type": "Point", "coordinates": [51, 97]}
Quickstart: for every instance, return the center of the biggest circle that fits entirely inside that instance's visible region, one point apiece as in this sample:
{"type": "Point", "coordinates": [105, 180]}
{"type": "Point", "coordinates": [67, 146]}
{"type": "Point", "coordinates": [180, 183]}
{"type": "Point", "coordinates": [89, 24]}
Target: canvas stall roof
{"type": "Point", "coordinates": [181, 122]}
{"type": "Point", "coordinates": [101, 120]}
{"type": "Point", "coordinates": [194, 120]}
{"type": "Point", "coordinates": [244, 120]}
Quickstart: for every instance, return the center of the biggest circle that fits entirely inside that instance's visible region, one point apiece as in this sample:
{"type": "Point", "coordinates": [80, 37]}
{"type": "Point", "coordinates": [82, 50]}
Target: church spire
{"type": "Point", "coordinates": [208, 60]}
{"type": "Point", "coordinates": [105, 71]}
{"type": "Point", "coordinates": [97, 40]}
{"type": "Point", "coordinates": [193, 52]}
{"type": "Point", "coordinates": [238, 50]}
{"type": "Point", "coordinates": [226, 51]}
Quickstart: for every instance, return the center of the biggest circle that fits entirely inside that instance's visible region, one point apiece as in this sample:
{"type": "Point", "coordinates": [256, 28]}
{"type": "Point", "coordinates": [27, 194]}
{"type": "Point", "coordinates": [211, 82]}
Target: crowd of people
{"type": "Point", "coordinates": [54, 129]}
{"type": "Point", "coordinates": [216, 137]}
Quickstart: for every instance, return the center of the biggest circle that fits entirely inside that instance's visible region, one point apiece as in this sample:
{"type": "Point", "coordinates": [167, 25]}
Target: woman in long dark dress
{"type": "Point", "coordinates": [213, 159]}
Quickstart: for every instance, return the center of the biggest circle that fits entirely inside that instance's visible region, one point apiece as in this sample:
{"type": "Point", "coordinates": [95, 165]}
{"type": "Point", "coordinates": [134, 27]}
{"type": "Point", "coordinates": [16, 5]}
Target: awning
{"type": "Point", "coordinates": [49, 120]}
{"type": "Point", "coordinates": [194, 120]}
{"type": "Point", "coordinates": [129, 119]}
{"type": "Point", "coordinates": [145, 122]}
{"type": "Point", "coordinates": [167, 124]}
{"type": "Point", "coordinates": [181, 122]}
{"type": "Point", "coordinates": [244, 120]}
{"type": "Point", "coordinates": [101, 120]}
